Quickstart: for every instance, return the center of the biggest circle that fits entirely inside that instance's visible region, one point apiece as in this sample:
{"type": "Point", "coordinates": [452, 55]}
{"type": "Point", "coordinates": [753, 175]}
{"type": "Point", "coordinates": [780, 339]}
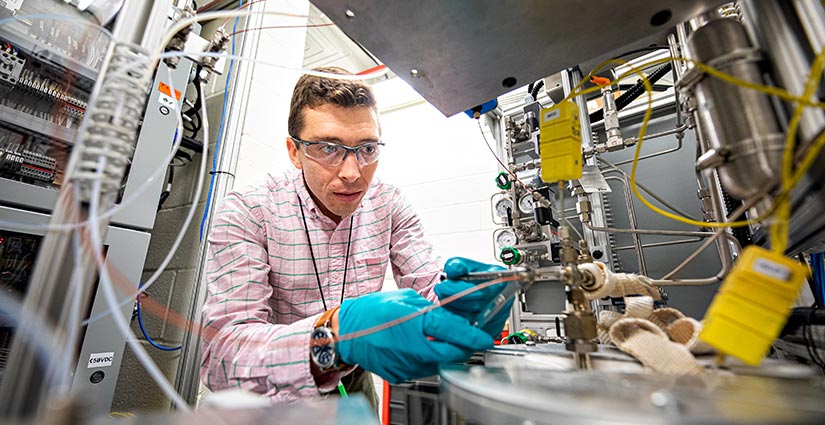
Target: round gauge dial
{"type": "Point", "coordinates": [502, 206]}
{"type": "Point", "coordinates": [506, 238]}
{"type": "Point", "coordinates": [525, 204]}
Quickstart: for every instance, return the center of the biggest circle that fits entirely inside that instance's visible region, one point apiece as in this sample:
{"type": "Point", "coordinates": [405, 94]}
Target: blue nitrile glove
{"type": "Point", "coordinates": [404, 351]}
{"type": "Point", "coordinates": [470, 306]}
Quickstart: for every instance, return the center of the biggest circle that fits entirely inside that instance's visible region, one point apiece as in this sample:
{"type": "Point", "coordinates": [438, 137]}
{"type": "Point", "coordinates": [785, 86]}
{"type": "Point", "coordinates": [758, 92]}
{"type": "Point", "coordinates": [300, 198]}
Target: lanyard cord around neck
{"type": "Point", "coordinates": [312, 254]}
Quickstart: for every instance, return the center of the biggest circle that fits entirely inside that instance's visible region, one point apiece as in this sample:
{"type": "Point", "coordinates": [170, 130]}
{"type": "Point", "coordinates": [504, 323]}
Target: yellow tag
{"type": "Point", "coordinates": [560, 143]}
{"type": "Point", "coordinates": [753, 304]}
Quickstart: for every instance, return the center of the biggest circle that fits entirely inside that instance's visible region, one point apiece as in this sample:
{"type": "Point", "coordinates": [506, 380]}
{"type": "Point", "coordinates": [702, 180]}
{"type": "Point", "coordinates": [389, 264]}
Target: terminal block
{"type": "Point", "coordinates": [10, 67]}
{"type": "Point", "coordinates": [27, 164]}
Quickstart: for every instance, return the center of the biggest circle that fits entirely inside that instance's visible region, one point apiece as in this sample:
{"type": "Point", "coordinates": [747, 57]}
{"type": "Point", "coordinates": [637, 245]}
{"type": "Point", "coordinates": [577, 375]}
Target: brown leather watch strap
{"type": "Point", "coordinates": [325, 318]}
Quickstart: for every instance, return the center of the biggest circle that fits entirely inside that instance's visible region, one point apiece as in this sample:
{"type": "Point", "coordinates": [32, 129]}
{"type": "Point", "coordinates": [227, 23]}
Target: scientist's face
{"type": "Point", "coordinates": [337, 190]}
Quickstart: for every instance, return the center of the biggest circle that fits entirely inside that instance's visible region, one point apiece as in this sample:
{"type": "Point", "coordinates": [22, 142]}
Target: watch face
{"type": "Point", "coordinates": [322, 348]}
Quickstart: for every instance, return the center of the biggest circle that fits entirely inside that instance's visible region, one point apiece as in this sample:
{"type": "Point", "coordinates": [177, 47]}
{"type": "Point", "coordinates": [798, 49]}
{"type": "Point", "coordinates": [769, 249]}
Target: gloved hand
{"type": "Point", "coordinates": [404, 351]}
{"type": "Point", "coordinates": [471, 305]}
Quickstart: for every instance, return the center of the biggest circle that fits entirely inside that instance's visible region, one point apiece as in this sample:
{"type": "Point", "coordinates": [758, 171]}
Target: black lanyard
{"type": "Point", "coordinates": [311, 253]}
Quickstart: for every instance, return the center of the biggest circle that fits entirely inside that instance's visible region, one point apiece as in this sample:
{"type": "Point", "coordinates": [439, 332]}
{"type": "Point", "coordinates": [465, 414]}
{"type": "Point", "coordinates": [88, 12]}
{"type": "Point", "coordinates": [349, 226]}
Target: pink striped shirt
{"type": "Point", "coordinates": [263, 298]}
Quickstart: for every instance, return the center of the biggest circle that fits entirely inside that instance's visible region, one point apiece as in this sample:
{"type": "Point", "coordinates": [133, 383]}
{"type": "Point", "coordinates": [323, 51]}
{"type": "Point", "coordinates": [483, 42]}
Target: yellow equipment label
{"type": "Point", "coordinates": [753, 304]}
{"type": "Point", "coordinates": [560, 143]}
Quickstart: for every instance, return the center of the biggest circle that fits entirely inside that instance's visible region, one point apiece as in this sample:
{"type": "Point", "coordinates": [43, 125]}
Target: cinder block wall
{"type": "Point", "coordinates": [443, 168]}
{"type": "Point", "coordinates": [262, 150]}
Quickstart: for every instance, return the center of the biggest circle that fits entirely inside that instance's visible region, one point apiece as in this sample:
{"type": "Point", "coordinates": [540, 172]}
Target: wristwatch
{"type": "Point", "coordinates": [322, 342]}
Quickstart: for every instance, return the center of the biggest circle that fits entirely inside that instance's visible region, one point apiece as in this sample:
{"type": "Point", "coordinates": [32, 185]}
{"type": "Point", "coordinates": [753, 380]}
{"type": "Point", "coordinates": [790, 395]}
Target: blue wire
{"type": "Point", "coordinates": [818, 275]}
{"type": "Point", "coordinates": [145, 335]}
{"type": "Point", "coordinates": [220, 129]}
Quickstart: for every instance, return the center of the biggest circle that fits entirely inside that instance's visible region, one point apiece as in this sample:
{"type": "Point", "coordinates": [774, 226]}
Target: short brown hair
{"type": "Point", "coordinates": [312, 91]}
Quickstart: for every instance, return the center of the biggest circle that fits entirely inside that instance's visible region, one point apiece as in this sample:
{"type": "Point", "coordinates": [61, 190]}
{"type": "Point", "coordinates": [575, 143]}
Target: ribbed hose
{"type": "Point", "coordinates": [634, 92]}
{"type": "Point", "coordinates": [615, 261]}
{"type": "Point", "coordinates": [535, 90]}
{"type": "Point", "coordinates": [741, 233]}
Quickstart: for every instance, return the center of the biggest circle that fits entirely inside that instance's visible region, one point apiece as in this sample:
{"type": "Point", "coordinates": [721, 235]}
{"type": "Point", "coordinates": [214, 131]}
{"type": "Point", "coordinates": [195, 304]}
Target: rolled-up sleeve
{"type": "Point", "coordinates": [414, 263]}
{"type": "Point", "coordinates": [242, 345]}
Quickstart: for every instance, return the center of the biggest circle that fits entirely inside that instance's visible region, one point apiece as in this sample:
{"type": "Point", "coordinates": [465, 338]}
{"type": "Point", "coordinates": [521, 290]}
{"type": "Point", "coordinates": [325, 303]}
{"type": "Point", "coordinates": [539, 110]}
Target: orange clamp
{"type": "Point", "coordinates": [600, 81]}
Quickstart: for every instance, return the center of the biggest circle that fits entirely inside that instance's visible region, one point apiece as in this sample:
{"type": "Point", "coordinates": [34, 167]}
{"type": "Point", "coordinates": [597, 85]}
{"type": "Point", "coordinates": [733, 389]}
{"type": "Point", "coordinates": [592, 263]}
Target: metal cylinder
{"type": "Point", "coordinates": [776, 31]}
{"type": "Point", "coordinates": [742, 123]}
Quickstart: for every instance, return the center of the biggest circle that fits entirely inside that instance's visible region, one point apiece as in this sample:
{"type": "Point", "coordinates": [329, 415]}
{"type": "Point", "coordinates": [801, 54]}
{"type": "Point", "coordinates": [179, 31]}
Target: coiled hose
{"type": "Point", "coordinates": [107, 140]}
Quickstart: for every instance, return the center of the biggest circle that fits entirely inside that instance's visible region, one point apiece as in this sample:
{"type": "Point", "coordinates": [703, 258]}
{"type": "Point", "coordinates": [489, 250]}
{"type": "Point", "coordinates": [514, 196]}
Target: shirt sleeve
{"type": "Point", "coordinates": [414, 263]}
{"type": "Point", "coordinates": [242, 347]}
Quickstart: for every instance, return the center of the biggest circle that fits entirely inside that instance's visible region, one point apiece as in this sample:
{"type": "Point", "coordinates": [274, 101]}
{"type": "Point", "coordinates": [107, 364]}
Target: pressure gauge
{"type": "Point", "coordinates": [506, 238]}
{"type": "Point", "coordinates": [502, 205]}
{"type": "Point", "coordinates": [525, 204]}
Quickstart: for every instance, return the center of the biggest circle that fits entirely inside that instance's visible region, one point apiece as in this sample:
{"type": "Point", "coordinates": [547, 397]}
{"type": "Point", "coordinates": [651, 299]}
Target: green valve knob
{"type": "Point", "coordinates": [503, 181]}
{"type": "Point", "coordinates": [510, 255]}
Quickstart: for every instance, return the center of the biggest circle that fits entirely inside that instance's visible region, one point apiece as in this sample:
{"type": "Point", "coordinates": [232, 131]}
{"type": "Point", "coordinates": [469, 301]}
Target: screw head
{"type": "Point", "coordinates": [415, 73]}
{"type": "Point", "coordinates": [349, 14]}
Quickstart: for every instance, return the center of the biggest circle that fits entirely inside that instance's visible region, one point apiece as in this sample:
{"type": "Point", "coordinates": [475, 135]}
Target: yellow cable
{"type": "Point", "coordinates": [640, 139]}
{"type": "Point", "coordinates": [779, 228]}
{"type": "Point", "coordinates": [728, 78]}
{"type": "Point", "coordinates": [788, 184]}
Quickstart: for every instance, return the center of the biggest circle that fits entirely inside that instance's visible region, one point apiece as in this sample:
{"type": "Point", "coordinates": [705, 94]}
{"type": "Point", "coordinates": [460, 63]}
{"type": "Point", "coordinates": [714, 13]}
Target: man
{"type": "Point", "coordinates": [296, 264]}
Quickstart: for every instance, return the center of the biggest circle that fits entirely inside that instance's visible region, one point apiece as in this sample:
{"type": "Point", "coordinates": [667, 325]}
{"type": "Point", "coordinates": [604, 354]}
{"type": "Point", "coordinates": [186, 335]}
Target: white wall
{"type": "Point", "coordinates": [443, 167]}
{"type": "Point", "coordinates": [263, 140]}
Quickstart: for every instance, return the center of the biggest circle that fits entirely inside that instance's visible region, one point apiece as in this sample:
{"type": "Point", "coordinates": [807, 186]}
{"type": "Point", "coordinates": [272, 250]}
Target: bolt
{"type": "Point", "coordinates": [349, 14]}
{"type": "Point", "coordinates": [665, 400]}
{"type": "Point", "coordinates": [414, 73]}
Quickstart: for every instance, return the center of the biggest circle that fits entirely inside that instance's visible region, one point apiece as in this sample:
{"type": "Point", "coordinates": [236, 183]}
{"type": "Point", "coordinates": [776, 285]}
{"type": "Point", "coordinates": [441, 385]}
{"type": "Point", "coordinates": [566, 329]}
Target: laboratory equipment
{"type": "Point", "coordinates": [674, 111]}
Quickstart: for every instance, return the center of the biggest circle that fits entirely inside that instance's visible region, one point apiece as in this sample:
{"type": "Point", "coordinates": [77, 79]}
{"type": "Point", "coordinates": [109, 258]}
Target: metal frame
{"type": "Point", "coordinates": [154, 141]}
{"type": "Point", "coordinates": [101, 336]}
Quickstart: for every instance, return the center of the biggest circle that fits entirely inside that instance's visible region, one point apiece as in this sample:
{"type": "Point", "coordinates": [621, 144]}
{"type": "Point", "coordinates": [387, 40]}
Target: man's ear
{"type": "Point", "coordinates": [293, 153]}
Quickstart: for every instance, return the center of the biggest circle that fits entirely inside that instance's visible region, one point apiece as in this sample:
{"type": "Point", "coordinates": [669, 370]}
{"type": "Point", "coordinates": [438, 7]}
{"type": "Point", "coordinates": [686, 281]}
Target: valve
{"type": "Point", "coordinates": [510, 255]}
{"type": "Point", "coordinates": [503, 181]}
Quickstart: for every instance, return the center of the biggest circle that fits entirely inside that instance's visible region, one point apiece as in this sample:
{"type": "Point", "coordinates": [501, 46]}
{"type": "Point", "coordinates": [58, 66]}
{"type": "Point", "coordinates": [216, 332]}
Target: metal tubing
{"type": "Point", "coordinates": [677, 130]}
{"type": "Point", "coordinates": [675, 52]}
{"type": "Point", "coordinates": [719, 232]}
{"type": "Point", "coordinates": [644, 188]}
{"type": "Point", "coordinates": [631, 214]}
{"type": "Point", "coordinates": [596, 241]}
{"type": "Point", "coordinates": [187, 379]}
{"type": "Point", "coordinates": [659, 244]}
{"type": "Point", "coordinates": [655, 154]}
{"type": "Point", "coordinates": [712, 235]}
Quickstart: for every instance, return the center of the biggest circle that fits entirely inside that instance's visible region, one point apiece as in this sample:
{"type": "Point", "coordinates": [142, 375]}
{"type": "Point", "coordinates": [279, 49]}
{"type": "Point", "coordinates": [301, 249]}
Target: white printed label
{"type": "Point", "coordinates": [551, 115]}
{"type": "Point", "coordinates": [167, 101]}
{"type": "Point", "coordinates": [772, 269]}
{"type": "Point", "coordinates": [13, 5]}
{"type": "Point", "coordinates": [101, 360]}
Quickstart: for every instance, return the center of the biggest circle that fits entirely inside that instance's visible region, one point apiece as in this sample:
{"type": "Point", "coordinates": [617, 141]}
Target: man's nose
{"type": "Point", "coordinates": [350, 170]}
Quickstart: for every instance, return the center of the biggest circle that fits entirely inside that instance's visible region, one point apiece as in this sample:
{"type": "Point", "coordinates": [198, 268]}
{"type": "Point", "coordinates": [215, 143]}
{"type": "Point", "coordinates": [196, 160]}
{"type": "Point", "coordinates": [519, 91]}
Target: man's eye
{"type": "Point", "coordinates": [329, 149]}
{"type": "Point", "coordinates": [369, 149]}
